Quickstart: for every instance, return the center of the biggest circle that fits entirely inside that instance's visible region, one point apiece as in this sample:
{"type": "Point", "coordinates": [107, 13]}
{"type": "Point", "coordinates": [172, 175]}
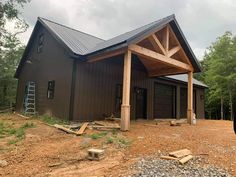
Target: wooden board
{"type": "Point", "coordinates": [185, 159]}
{"type": "Point", "coordinates": [82, 128]}
{"type": "Point", "coordinates": [180, 153]}
{"type": "Point", "coordinates": [168, 158]}
{"type": "Point", "coordinates": [64, 129]}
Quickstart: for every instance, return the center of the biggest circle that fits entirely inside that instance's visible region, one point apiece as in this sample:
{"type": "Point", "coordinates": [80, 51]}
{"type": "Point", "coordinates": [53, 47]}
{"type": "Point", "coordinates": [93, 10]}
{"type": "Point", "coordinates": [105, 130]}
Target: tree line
{"type": "Point", "coordinates": [11, 49]}
{"type": "Point", "coordinates": [219, 74]}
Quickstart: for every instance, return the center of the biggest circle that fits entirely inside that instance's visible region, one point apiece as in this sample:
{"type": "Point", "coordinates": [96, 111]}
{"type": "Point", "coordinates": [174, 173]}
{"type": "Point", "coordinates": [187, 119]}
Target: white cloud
{"type": "Point", "coordinates": [201, 21]}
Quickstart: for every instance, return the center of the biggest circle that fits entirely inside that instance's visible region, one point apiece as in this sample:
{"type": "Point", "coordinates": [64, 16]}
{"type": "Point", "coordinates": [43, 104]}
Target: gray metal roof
{"type": "Point", "coordinates": [80, 43]}
{"type": "Point", "coordinates": [129, 35]}
{"type": "Point", "coordinates": [84, 44]}
{"type": "Point", "coordinates": [184, 78]}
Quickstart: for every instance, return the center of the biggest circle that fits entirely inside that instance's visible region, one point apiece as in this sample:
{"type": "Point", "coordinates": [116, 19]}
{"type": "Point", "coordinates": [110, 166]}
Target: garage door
{"type": "Point", "coordinates": [164, 101]}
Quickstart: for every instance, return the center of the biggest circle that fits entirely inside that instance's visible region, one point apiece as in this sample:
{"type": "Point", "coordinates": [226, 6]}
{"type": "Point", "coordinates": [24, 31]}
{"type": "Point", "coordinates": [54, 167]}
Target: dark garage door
{"type": "Point", "coordinates": [164, 101]}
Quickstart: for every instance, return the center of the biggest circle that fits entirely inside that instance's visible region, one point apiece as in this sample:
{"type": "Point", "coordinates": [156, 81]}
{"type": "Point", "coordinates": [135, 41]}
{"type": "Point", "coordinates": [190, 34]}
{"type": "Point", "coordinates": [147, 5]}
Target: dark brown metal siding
{"type": "Point", "coordinates": [184, 102]}
{"type": "Point", "coordinates": [95, 89]}
{"type": "Point", "coordinates": [52, 63]}
{"type": "Point", "coordinates": [96, 83]}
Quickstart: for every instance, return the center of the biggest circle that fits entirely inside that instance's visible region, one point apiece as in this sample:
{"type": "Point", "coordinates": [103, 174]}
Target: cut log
{"type": "Point", "coordinates": [64, 129]}
{"type": "Point", "coordinates": [185, 159]}
{"type": "Point", "coordinates": [82, 128]}
{"type": "Point", "coordinates": [168, 158]}
{"type": "Point", "coordinates": [180, 153]}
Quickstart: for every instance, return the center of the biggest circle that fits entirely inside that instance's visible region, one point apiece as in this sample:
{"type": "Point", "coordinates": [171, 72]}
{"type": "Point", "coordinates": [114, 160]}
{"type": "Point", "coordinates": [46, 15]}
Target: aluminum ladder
{"type": "Point", "coordinates": [30, 99]}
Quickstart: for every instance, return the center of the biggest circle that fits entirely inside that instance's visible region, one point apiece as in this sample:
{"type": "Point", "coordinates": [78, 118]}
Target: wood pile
{"type": "Point", "coordinates": [183, 156]}
{"type": "Point", "coordinates": [73, 129]}
{"type": "Point", "coordinates": [79, 129]}
{"type": "Point", "coordinates": [105, 125]}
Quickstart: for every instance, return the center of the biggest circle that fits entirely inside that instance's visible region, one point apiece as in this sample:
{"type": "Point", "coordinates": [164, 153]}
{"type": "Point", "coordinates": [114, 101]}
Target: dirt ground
{"type": "Point", "coordinates": [46, 151]}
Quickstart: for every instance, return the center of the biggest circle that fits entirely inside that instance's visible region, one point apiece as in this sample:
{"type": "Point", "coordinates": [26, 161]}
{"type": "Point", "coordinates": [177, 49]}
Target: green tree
{"type": "Point", "coordinates": [219, 66]}
{"type": "Point", "coordinates": [11, 48]}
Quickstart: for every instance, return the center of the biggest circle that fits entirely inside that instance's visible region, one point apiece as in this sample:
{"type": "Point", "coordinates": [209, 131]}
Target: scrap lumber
{"type": "Point", "coordinates": [107, 127]}
{"type": "Point", "coordinates": [73, 126]}
{"type": "Point", "coordinates": [169, 158]}
{"type": "Point", "coordinates": [150, 125]}
{"type": "Point", "coordinates": [23, 116]}
{"type": "Point", "coordinates": [64, 129]}
{"type": "Point", "coordinates": [82, 128]}
{"type": "Point", "coordinates": [180, 153]}
{"type": "Point", "coordinates": [104, 123]}
{"type": "Point", "coordinates": [112, 119]}
{"type": "Point", "coordinates": [174, 123]}
{"type": "Point", "coordinates": [185, 159]}
{"type": "Point", "coordinates": [100, 123]}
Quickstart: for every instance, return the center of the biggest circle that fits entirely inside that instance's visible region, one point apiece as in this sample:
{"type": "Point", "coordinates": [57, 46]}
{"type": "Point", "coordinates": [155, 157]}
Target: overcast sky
{"type": "Point", "coordinates": [201, 21]}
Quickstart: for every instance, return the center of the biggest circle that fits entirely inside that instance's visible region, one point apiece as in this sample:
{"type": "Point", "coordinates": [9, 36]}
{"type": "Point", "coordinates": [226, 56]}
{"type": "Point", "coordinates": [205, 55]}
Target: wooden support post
{"type": "Point", "coordinates": [190, 98]}
{"type": "Point", "coordinates": [125, 107]}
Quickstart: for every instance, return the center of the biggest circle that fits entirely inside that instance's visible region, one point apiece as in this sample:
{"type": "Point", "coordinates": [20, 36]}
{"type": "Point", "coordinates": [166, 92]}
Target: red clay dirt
{"type": "Point", "coordinates": [46, 151]}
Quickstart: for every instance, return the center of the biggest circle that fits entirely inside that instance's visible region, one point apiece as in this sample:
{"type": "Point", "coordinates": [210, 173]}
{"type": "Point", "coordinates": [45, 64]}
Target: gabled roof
{"type": "Point", "coordinates": [78, 42]}
{"type": "Point", "coordinates": [82, 44]}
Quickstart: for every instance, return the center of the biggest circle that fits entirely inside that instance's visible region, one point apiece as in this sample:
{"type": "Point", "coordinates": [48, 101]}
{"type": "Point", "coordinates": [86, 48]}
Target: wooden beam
{"type": "Point", "coordinates": [125, 107]}
{"type": "Point", "coordinates": [185, 56]}
{"type": "Point", "coordinates": [151, 55]}
{"type": "Point", "coordinates": [173, 51]}
{"type": "Point", "coordinates": [190, 98]}
{"type": "Point", "coordinates": [106, 55]}
{"type": "Point", "coordinates": [156, 43]}
{"type": "Point", "coordinates": [167, 39]}
{"type": "Point", "coordinates": [164, 72]}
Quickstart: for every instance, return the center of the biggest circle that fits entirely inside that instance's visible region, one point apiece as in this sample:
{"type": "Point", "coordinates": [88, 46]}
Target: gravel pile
{"type": "Point", "coordinates": [170, 168]}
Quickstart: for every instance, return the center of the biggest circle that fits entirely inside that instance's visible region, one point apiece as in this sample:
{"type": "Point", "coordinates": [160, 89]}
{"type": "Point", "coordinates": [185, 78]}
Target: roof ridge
{"type": "Point", "coordinates": [143, 26]}
{"type": "Point", "coordinates": [70, 28]}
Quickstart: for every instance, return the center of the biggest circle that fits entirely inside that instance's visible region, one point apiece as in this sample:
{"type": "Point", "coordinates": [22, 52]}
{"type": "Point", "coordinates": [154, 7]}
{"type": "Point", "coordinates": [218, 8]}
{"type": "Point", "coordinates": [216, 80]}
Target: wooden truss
{"type": "Point", "coordinates": [161, 52]}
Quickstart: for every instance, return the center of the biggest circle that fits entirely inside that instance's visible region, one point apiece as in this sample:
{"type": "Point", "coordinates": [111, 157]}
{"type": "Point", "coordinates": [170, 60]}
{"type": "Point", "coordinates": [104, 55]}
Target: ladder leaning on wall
{"type": "Point", "coordinates": [29, 101]}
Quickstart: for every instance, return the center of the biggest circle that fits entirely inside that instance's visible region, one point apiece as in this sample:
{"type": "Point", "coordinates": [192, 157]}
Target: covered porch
{"type": "Point", "coordinates": [162, 54]}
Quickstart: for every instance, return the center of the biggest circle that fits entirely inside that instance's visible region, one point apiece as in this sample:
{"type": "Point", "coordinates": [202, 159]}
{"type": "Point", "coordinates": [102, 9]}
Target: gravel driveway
{"type": "Point", "coordinates": [156, 167]}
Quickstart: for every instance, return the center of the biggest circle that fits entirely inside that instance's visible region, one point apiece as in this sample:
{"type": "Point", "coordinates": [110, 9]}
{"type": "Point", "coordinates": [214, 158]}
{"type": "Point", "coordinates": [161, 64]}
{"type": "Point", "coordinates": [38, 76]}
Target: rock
{"type": "Point", "coordinates": [3, 163]}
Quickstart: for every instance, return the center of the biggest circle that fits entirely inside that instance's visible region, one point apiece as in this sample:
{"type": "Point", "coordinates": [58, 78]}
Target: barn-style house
{"type": "Point", "coordinates": [145, 73]}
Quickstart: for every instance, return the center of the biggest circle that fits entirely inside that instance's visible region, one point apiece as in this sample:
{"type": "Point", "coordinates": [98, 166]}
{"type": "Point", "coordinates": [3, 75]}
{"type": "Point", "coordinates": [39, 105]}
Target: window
{"type": "Point", "coordinates": [40, 43]}
{"type": "Point", "coordinates": [51, 89]}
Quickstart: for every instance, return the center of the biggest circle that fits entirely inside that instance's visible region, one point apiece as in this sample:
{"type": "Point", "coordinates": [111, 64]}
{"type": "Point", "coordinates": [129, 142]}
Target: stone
{"type": "Point", "coordinates": [3, 163]}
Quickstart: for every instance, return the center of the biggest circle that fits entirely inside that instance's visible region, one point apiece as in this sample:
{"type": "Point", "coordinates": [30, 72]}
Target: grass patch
{"type": "Point", "coordinates": [123, 142]}
{"type": "Point", "coordinates": [109, 140]}
{"type": "Point", "coordinates": [7, 130]}
{"type": "Point", "coordinates": [52, 120]}
{"type": "Point", "coordinates": [98, 135]}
